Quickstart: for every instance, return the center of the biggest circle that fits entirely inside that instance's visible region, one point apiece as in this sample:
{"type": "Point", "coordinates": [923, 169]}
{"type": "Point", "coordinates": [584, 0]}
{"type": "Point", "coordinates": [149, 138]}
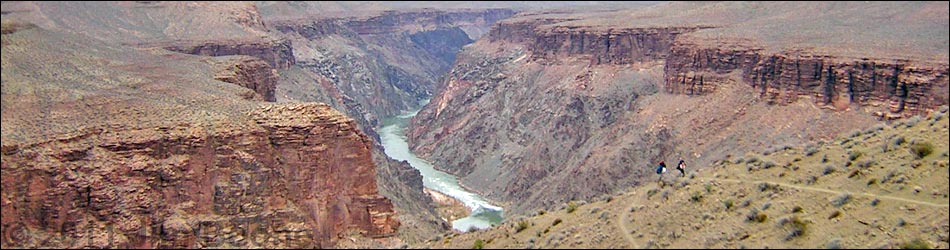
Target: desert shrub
{"type": "Point", "coordinates": [708, 187]}
{"type": "Point", "coordinates": [768, 165]}
{"type": "Point", "coordinates": [522, 225]}
{"type": "Point", "coordinates": [571, 206]}
{"type": "Point", "coordinates": [828, 170]}
{"type": "Point", "coordinates": [899, 140]}
{"type": "Point", "coordinates": [834, 214]}
{"type": "Point", "coordinates": [797, 227]}
{"type": "Point", "coordinates": [652, 192]}
{"type": "Point", "coordinates": [797, 209]}
{"type": "Point", "coordinates": [901, 222]}
{"type": "Point", "coordinates": [767, 186]}
{"type": "Point", "coordinates": [728, 203]}
{"type": "Point", "coordinates": [746, 203]}
{"type": "Point", "coordinates": [922, 150]}
{"type": "Point", "coordinates": [841, 200]}
{"type": "Point", "coordinates": [478, 244]}
{"type": "Point", "coordinates": [811, 149]}
{"type": "Point", "coordinates": [696, 197]}
{"type": "Point", "coordinates": [854, 173]}
{"type": "Point", "coordinates": [855, 133]}
{"type": "Point", "coordinates": [917, 243]}
{"type": "Point", "coordinates": [866, 163]}
{"type": "Point", "coordinates": [556, 221]}
{"type": "Point", "coordinates": [872, 181]}
{"type": "Point", "coordinates": [756, 216]}
{"type": "Point", "coordinates": [875, 201]}
{"type": "Point", "coordinates": [854, 155]}
{"type": "Point", "coordinates": [824, 158]}
{"type": "Point", "coordinates": [752, 159]}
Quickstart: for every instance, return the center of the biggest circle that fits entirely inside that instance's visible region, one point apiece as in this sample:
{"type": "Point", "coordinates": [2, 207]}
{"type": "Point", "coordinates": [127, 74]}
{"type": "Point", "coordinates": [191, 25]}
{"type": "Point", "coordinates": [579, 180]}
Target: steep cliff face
{"type": "Point", "coordinates": [109, 146]}
{"type": "Point", "coordinates": [301, 178]}
{"type": "Point", "coordinates": [248, 72]}
{"type": "Point", "coordinates": [894, 88]}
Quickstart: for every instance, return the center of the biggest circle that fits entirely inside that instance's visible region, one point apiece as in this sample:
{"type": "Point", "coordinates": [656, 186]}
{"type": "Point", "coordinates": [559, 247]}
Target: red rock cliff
{"type": "Point", "coordinates": [249, 72]}
{"type": "Point", "coordinates": [599, 46]}
{"type": "Point", "coordinates": [296, 176]}
{"type": "Point", "coordinates": [898, 88]}
{"type": "Point", "coordinates": [277, 53]}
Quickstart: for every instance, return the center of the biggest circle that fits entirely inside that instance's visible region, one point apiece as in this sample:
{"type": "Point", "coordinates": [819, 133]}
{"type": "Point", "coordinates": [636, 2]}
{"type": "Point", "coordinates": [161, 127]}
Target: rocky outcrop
{"type": "Point", "coordinates": [278, 53]}
{"type": "Point", "coordinates": [896, 88]}
{"type": "Point", "coordinates": [599, 46]}
{"type": "Point", "coordinates": [249, 72]}
{"type": "Point", "coordinates": [416, 21]}
{"type": "Point", "coordinates": [295, 176]}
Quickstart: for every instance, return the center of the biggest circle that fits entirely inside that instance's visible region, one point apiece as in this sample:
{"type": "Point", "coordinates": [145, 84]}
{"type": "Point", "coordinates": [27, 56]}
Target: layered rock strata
{"type": "Point", "coordinates": [248, 72]}
{"type": "Point", "coordinates": [301, 178]}
{"type": "Point", "coordinates": [897, 88]}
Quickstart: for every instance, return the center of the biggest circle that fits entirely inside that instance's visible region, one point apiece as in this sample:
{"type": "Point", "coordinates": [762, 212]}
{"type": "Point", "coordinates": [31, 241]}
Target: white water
{"type": "Point", "coordinates": [393, 136]}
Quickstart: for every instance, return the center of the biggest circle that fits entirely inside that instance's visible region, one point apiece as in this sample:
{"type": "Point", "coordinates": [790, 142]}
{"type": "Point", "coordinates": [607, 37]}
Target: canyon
{"type": "Point", "coordinates": [554, 107]}
{"type": "Point", "coordinates": [267, 124]}
{"type": "Point", "coordinates": [212, 168]}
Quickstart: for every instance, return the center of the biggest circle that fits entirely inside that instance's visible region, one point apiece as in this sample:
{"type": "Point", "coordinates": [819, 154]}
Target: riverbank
{"type": "Point", "coordinates": [450, 209]}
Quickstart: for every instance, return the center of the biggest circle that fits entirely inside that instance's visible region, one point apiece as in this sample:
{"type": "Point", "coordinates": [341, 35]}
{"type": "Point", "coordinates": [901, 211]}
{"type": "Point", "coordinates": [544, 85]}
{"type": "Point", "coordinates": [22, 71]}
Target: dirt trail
{"type": "Point", "coordinates": [626, 212]}
{"type": "Point", "coordinates": [816, 189]}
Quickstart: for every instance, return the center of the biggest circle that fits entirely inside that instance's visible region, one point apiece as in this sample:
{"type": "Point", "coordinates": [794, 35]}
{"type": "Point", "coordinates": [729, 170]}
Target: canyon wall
{"type": "Point", "coordinates": [301, 178]}
{"type": "Point", "coordinates": [896, 88]}
{"type": "Point", "coordinates": [249, 72]}
{"type": "Point", "coordinates": [382, 64]}
{"type": "Point", "coordinates": [278, 53]}
{"type": "Point", "coordinates": [551, 108]}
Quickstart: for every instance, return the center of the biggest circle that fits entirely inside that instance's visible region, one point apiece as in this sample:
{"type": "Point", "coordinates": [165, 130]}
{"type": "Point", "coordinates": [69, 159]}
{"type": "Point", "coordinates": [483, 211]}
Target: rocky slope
{"type": "Point", "coordinates": [883, 187]}
{"type": "Point", "coordinates": [558, 106]}
{"type": "Point", "coordinates": [200, 28]}
{"type": "Point", "coordinates": [109, 146]}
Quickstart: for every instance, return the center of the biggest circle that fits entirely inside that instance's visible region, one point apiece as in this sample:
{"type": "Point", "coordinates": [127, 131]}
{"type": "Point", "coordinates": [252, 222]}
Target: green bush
{"type": "Point", "coordinates": [854, 155]}
{"type": "Point", "coordinates": [797, 209]}
{"type": "Point", "coordinates": [797, 226]}
{"type": "Point", "coordinates": [478, 244]}
{"type": "Point", "coordinates": [556, 221]}
{"type": "Point", "coordinates": [728, 203]}
{"type": "Point", "coordinates": [522, 225]}
{"type": "Point", "coordinates": [922, 150]}
{"type": "Point", "coordinates": [756, 216]}
{"type": "Point", "coordinates": [834, 214]}
{"type": "Point", "coordinates": [571, 206]}
{"type": "Point", "coordinates": [696, 197]}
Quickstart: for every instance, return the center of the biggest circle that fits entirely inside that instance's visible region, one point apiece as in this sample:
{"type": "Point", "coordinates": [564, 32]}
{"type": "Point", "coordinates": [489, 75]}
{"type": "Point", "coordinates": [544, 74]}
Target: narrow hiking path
{"type": "Point", "coordinates": [624, 218]}
{"type": "Point", "coordinates": [824, 190]}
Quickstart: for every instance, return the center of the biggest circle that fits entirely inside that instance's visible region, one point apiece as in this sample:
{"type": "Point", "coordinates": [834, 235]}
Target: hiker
{"type": "Point", "coordinates": [682, 167]}
{"type": "Point", "coordinates": [661, 170]}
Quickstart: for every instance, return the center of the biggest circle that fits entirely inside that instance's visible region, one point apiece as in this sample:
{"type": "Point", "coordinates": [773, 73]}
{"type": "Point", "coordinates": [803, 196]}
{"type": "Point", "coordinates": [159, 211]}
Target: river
{"type": "Point", "coordinates": [393, 136]}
